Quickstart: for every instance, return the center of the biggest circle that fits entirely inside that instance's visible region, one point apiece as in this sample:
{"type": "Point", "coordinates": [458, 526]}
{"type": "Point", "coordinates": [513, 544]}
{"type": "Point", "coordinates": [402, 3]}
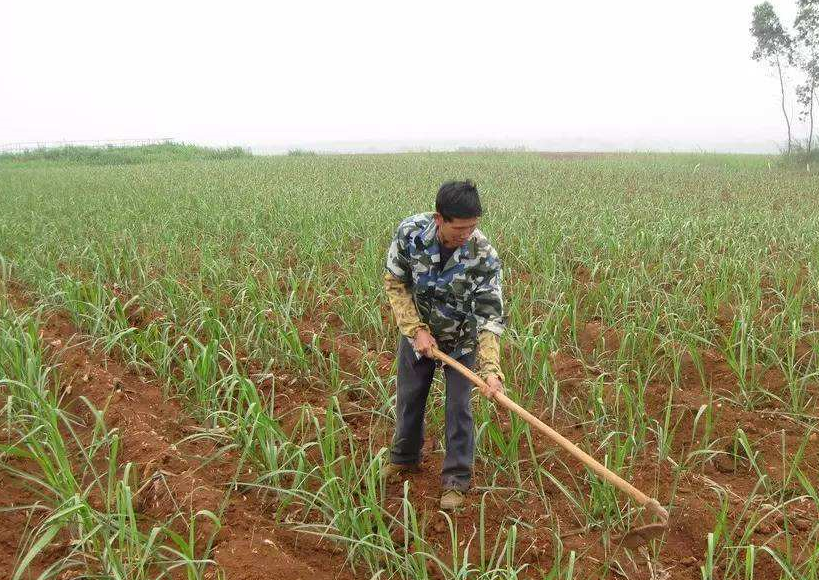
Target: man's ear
{"type": "Point", "coordinates": [439, 219]}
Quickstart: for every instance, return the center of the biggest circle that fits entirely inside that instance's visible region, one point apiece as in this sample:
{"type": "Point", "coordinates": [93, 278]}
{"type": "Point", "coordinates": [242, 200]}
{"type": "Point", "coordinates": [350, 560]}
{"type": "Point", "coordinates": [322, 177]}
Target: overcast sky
{"type": "Point", "coordinates": [629, 74]}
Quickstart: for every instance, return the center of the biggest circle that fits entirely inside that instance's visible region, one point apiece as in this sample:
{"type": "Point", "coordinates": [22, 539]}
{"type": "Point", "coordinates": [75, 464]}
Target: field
{"type": "Point", "coordinates": [197, 374]}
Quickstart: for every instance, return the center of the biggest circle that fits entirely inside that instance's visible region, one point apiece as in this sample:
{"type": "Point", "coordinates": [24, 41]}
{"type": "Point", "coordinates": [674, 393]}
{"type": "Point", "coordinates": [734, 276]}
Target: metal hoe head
{"type": "Point", "coordinates": [642, 535]}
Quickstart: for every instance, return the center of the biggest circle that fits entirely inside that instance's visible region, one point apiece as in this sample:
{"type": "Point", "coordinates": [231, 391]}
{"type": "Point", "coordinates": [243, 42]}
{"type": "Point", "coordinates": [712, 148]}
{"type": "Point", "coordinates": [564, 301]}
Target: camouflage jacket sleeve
{"type": "Point", "coordinates": [489, 315]}
{"type": "Point", "coordinates": [488, 298]}
{"type": "Point", "coordinates": [488, 357]}
{"type": "Point", "coordinates": [403, 307]}
{"type": "Point", "coordinates": [397, 257]}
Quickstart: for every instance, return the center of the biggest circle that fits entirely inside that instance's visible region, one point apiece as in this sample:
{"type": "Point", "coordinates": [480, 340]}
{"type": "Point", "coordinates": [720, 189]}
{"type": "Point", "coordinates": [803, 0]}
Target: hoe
{"type": "Point", "coordinates": [633, 538]}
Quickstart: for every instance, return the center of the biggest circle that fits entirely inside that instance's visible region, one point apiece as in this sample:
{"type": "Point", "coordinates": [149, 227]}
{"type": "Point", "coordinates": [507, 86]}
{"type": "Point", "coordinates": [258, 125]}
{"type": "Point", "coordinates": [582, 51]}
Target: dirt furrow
{"type": "Point", "coordinates": [177, 474]}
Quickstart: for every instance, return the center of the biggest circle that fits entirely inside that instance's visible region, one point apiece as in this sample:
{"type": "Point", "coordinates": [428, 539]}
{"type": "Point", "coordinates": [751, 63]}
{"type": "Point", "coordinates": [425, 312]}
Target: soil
{"type": "Point", "coordinates": [174, 475]}
{"type": "Point", "coordinates": [18, 519]}
{"type": "Point", "coordinates": [252, 545]}
{"type": "Point", "coordinates": [694, 496]}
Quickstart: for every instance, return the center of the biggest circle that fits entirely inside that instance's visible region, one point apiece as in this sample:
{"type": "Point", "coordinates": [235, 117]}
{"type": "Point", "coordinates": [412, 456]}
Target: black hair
{"type": "Point", "coordinates": [458, 199]}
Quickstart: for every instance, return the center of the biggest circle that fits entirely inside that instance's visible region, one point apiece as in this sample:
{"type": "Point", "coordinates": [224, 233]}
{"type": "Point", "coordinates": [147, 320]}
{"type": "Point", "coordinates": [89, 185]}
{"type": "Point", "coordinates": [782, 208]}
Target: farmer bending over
{"type": "Point", "coordinates": [443, 281]}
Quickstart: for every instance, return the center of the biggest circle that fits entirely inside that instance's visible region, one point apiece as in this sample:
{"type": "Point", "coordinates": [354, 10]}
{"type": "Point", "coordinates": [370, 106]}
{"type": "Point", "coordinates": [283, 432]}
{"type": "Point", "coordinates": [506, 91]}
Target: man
{"type": "Point", "coordinates": [443, 281]}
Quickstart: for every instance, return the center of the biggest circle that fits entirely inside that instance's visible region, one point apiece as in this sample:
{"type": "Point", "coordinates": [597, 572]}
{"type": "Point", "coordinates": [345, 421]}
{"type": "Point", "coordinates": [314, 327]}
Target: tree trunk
{"type": "Point", "coordinates": [810, 133]}
{"type": "Point", "coordinates": [784, 111]}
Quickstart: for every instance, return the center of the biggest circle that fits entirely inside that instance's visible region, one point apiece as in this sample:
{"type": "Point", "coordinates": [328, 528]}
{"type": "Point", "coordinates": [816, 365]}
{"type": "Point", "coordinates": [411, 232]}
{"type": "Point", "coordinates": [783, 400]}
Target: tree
{"type": "Point", "coordinates": [806, 28]}
{"type": "Point", "coordinates": [774, 47]}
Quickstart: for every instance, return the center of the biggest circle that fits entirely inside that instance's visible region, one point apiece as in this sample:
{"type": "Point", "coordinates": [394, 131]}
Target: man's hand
{"type": "Point", "coordinates": [424, 342]}
{"type": "Point", "coordinates": [495, 386]}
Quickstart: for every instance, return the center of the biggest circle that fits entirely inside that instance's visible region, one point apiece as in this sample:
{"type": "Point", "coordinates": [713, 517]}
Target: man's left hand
{"type": "Point", "coordinates": [495, 386]}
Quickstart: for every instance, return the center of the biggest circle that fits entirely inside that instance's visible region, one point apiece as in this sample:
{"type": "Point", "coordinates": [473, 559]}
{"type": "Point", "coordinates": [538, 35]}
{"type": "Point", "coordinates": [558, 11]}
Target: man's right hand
{"type": "Point", "coordinates": [424, 342]}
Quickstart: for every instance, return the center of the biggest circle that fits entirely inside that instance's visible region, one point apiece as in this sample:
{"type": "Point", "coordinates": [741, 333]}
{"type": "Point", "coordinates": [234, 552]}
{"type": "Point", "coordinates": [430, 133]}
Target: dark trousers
{"type": "Point", "coordinates": [414, 381]}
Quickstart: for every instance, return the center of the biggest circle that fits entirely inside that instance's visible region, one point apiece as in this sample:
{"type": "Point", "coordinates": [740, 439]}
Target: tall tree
{"type": "Point", "coordinates": [774, 47]}
{"type": "Point", "coordinates": [806, 39]}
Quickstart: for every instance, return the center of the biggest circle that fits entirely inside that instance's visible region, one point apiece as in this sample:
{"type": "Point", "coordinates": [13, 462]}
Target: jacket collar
{"type": "Point", "coordinates": [429, 235]}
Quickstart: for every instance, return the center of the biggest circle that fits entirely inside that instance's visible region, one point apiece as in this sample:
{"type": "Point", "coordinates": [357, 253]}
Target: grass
{"type": "Point", "coordinates": [659, 306]}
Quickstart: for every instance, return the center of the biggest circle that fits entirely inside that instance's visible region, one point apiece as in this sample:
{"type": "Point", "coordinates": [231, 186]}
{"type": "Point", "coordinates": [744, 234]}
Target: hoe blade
{"type": "Point", "coordinates": [641, 535]}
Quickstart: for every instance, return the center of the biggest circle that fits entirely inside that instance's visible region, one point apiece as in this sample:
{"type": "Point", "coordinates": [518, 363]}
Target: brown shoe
{"type": "Point", "coordinates": [394, 472]}
{"type": "Point", "coordinates": [452, 499]}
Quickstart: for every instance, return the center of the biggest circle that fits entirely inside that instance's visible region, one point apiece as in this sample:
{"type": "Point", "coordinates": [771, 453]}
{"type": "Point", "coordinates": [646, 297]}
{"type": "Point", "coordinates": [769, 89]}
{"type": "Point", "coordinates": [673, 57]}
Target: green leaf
{"type": "Point", "coordinates": [36, 549]}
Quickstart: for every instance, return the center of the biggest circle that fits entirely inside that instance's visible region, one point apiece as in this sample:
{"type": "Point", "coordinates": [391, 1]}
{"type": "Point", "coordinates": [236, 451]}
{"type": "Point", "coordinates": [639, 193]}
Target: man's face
{"type": "Point", "coordinates": [454, 233]}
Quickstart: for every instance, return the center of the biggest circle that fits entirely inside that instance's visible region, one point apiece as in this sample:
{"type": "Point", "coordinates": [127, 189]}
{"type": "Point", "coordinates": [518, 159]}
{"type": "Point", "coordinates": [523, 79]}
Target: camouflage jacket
{"type": "Point", "coordinates": [456, 300]}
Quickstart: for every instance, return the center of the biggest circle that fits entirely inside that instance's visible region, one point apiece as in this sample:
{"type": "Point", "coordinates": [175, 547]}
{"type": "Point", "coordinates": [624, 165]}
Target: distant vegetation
{"type": "Point", "coordinates": [116, 155]}
{"type": "Point", "coordinates": [490, 149]}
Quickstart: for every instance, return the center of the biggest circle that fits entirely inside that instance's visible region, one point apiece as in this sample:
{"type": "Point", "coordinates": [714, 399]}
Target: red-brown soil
{"type": "Point", "coordinates": [250, 544]}
{"type": "Point", "coordinates": [695, 501]}
{"type": "Point", "coordinates": [174, 475]}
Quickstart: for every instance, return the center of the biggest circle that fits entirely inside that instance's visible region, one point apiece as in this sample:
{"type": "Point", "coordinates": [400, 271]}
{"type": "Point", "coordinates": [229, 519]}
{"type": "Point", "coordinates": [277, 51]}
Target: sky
{"type": "Point", "coordinates": [550, 74]}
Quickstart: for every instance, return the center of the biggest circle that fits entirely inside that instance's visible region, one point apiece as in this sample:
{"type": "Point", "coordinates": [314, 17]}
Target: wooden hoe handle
{"type": "Point", "coordinates": [605, 473]}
